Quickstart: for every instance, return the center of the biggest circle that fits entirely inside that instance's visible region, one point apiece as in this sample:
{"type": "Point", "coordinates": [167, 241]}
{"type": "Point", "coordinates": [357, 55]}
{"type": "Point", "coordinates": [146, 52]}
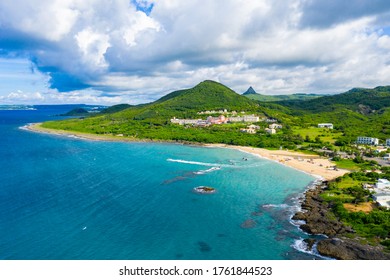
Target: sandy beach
{"type": "Point", "coordinates": [312, 164]}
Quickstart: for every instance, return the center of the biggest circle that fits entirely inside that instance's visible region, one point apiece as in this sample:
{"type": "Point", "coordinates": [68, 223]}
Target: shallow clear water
{"type": "Point", "coordinates": [66, 198]}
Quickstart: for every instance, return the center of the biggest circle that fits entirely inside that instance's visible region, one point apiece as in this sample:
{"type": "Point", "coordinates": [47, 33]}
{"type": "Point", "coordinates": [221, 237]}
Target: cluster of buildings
{"type": "Point", "coordinates": [233, 118]}
{"type": "Point", "coordinates": [216, 120]}
{"type": "Point", "coordinates": [381, 192]}
{"type": "Point", "coordinates": [271, 129]}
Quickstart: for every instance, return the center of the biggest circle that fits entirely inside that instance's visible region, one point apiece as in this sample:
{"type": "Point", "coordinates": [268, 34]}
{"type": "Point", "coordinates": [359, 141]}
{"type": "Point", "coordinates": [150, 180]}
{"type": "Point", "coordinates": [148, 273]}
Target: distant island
{"type": "Point", "coordinates": [76, 112]}
{"type": "Point", "coordinates": [348, 131]}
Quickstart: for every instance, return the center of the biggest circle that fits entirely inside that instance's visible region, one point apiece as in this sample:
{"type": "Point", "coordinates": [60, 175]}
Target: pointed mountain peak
{"type": "Point", "coordinates": [250, 90]}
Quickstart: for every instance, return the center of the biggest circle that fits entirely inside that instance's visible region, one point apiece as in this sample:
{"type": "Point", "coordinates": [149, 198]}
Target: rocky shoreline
{"type": "Point", "coordinates": [319, 220]}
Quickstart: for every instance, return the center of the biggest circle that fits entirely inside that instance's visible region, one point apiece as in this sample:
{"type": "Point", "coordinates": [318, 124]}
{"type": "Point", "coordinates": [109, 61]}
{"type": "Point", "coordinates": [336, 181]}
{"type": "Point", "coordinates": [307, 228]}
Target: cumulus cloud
{"type": "Point", "coordinates": [143, 49]}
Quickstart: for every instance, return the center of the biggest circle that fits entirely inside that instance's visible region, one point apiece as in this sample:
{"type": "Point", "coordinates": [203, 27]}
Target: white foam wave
{"type": "Point", "coordinates": [24, 127]}
{"type": "Point", "coordinates": [301, 246]}
{"type": "Point", "coordinates": [201, 172]}
{"type": "Point", "coordinates": [73, 136]}
{"type": "Point", "coordinates": [276, 206]}
{"type": "Point", "coordinates": [218, 165]}
{"type": "Point", "coordinates": [197, 163]}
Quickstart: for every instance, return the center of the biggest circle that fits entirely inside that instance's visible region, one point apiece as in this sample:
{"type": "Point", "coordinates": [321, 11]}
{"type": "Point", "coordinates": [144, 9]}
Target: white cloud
{"type": "Point", "coordinates": [92, 46]}
{"type": "Point", "coordinates": [274, 45]}
{"type": "Point", "coordinates": [46, 19]}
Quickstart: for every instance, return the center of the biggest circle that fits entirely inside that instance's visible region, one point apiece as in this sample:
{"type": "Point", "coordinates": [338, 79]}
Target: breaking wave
{"type": "Point", "coordinates": [200, 172]}
{"type": "Point", "coordinates": [198, 163]}
{"type": "Point", "coordinates": [301, 246]}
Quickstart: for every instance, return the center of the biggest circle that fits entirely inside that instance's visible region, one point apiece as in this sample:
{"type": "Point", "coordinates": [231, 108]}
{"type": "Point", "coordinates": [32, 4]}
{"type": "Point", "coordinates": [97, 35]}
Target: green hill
{"type": "Point", "coordinates": [207, 95]}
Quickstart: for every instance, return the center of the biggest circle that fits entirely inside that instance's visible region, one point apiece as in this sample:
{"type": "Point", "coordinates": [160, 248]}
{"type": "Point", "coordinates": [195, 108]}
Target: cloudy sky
{"type": "Point", "coordinates": [134, 51]}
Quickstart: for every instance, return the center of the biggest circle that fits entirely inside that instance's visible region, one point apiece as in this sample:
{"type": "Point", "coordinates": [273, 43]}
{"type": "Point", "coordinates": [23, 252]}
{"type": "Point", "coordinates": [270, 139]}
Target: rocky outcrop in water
{"type": "Point", "coordinates": [319, 220]}
{"type": "Point", "coordinates": [349, 249]}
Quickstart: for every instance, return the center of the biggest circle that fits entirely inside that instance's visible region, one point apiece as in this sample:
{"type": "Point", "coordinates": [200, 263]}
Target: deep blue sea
{"type": "Point", "coordinates": [67, 198]}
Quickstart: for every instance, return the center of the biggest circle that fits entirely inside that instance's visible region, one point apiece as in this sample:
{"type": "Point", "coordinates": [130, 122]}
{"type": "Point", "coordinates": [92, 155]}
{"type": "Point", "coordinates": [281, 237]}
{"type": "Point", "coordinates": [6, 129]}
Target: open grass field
{"type": "Point", "coordinates": [326, 135]}
{"type": "Point", "coordinates": [348, 164]}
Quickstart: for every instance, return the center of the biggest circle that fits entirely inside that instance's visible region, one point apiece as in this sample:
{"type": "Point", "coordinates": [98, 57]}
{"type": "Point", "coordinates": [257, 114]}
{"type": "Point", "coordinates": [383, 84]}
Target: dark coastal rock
{"type": "Point", "coordinates": [347, 249]}
{"type": "Point", "coordinates": [300, 216]}
{"type": "Point", "coordinates": [310, 243]}
{"type": "Point", "coordinates": [319, 220]}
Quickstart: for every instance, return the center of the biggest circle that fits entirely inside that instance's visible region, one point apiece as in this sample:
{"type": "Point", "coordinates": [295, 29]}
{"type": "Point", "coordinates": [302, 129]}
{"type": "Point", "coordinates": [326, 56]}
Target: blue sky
{"type": "Point", "coordinates": [135, 51]}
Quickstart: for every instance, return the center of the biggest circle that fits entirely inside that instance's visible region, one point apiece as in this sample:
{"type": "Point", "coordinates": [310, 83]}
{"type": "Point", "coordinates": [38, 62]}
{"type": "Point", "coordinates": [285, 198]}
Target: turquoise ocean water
{"type": "Point", "coordinates": [66, 198]}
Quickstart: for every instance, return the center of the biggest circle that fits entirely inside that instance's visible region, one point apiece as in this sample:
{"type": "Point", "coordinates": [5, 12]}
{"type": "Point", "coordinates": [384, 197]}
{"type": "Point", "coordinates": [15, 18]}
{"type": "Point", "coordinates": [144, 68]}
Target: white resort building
{"type": "Point", "coordinates": [325, 125]}
{"type": "Point", "coordinates": [367, 140]}
{"type": "Point", "coordinates": [382, 192]}
{"type": "Point", "coordinates": [247, 118]}
{"type": "Point", "coordinates": [184, 121]}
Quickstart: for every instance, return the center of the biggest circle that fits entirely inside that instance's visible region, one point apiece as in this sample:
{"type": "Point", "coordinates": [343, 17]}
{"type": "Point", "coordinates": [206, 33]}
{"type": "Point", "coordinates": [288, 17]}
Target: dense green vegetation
{"type": "Point", "coordinates": [359, 112]}
{"type": "Point", "coordinates": [373, 225]}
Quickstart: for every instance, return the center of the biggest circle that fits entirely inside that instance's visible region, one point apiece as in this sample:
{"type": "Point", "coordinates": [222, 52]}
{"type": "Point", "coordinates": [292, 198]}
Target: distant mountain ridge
{"type": "Point", "coordinates": [361, 100]}
{"type": "Point", "coordinates": [252, 94]}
